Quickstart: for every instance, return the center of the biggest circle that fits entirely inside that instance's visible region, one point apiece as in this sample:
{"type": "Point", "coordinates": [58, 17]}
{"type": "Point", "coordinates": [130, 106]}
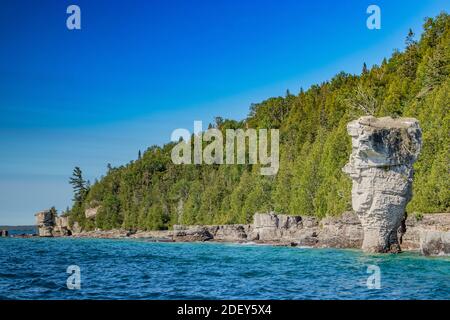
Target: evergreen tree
{"type": "Point", "coordinates": [78, 185]}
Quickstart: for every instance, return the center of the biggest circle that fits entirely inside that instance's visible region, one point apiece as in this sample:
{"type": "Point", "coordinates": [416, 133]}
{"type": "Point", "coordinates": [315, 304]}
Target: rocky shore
{"type": "Point", "coordinates": [429, 234]}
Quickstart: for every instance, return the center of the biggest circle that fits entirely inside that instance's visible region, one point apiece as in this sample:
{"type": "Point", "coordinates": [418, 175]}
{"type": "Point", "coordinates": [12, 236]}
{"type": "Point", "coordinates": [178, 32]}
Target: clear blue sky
{"type": "Point", "coordinates": [137, 70]}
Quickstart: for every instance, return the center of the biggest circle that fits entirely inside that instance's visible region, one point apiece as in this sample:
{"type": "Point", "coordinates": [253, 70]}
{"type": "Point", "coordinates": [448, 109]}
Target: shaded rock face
{"type": "Point", "coordinates": [434, 243]}
{"type": "Point", "coordinates": [383, 153]}
{"type": "Point", "coordinates": [91, 212]}
{"type": "Point", "coordinates": [45, 222]}
{"type": "Point", "coordinates": [341, 232]}
{"type": "Point", "coordinates": [191, 233]}
{"type": "Point", "coordinates": [281, 227]}
{"type": "Point", "coordinates": [417, 229]}
{"type": "Point", "coordinates": [76, 228]}
{"type": "Point", "coordinates": [233, 232]}
{"type": "Point", "coordinates": [62, 227]}
{"type": "Point", "coordinates": [50, 225]}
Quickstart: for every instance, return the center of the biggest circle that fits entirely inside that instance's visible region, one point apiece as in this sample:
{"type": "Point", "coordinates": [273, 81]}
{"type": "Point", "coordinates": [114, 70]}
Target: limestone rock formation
{"type": "Point", "coordinates": [429, 233]}
{"type": "Point", "coordinates": [45, 222]}
{"type": "Point", "coordinates": [418, 226]}
{"type": "Point", "coordinates": [50, 225]}
{"type": "Point", "coordinates": [341, 232]}
{"type": "Point", "coordinates": [91, 212]}
{"type": "Point", "coordinates": [191, 233]}
{"type": "Point", "coordinates": [383, 153]}
{"type": "Point", "coordinates": [76, 228]}
{"type": "Point", "coordinates": [273, 226]}
{"type": "Point", "coordinates": [231, 232]}
{"type": "Point", "coordinates": [62, 227]}
{"type": "Point", "coordinates": [436, 243]}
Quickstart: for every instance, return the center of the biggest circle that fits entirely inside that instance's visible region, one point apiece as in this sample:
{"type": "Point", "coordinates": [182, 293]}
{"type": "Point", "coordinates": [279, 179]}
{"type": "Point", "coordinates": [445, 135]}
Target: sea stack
{"type": "Point", "coordinates": [381, 168]}
{"type": "Point", "coordinates": [45, 222]}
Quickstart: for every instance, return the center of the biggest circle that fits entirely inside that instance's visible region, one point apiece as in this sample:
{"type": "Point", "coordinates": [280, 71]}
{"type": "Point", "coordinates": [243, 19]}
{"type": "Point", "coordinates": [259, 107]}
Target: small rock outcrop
{"type": "Point", "coordinates": [284, 228]}
{"type": "Point", "coordinates": [341, 232]}
{"type": "Point", "coordinates": [91, 212]}
{"type": "Point", "coordinates": [381, 167]}
{"type": "Point", "coordinates": [45, 221]}
{"type": "Point", "coordinates": [62, 227]}
{"type": "Point", "coordinates": [191, 233]}
{"type": "Point", "coordinates": [50, 225]}
{"type": "Point", "coordinates": [434, 243]}
{"type": "Point", "coordinates": [231, 232]}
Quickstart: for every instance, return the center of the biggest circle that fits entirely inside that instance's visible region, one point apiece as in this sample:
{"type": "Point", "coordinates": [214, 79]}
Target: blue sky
{"type": "Point", "coordinates": [137, 70]}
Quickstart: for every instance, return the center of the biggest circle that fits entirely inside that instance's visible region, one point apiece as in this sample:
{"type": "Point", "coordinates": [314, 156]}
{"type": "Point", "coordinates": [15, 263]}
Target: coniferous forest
{"type": "Point", "coordinates": [153, 193]}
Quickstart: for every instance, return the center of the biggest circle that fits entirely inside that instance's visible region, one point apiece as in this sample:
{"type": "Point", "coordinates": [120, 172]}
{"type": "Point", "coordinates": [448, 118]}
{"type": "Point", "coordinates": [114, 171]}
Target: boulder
{"type": "Point", "coordinates": [341, 232]}
{"type": "Point", "coordinates": [265, 227]}
{"type": "Point", "coordinates": [381, 168]}
{"type": "Point", "coordinates": [90, 213]}
{"type": "Point", "coordinates": [191, 233]}
{"type": "Point", "coordinates": [76, 228]}
{"type": "Point", "coordinates": [62, 227]}
{"type": "Point", "coordinates": [435, 243]}
{"type": "Point", "coordinates": [277, 227]}
{"type": "Point", "coordinates": [416, 225]}
{"type": "Point", "coordinates": [231, 232]}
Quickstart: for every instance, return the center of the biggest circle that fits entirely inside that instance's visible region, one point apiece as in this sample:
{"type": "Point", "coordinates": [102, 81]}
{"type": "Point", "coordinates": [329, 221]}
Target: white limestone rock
{"type": "Point", "coordinates": [45, 222]}
{"type": "Point", "coordinates": [91, 212]}
{"type": "Point", "coordinates": [383, 153]}
{"type": "Point", "coordinates": [434, 243]}
{"type": "Point", "coordinates": [276, 227]}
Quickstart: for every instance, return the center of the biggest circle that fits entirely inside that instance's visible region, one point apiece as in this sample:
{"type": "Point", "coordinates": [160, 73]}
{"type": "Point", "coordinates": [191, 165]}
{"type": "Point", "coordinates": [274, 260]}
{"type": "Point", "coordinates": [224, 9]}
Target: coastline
{"type": "Point", "coordinates": [428, 234]}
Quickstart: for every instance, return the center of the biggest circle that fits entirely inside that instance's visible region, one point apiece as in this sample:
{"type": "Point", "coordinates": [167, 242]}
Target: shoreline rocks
{"type": "Point", "coordinates": [430, 234]}
{"type": "Point", "coordinates": [45, 222]}
{"type": "Point", "coordinates": [381, 168]}
{"type": "Point", "coordinates": [435, 243]}
{"type": "Point", "coordinates": [50, 225]}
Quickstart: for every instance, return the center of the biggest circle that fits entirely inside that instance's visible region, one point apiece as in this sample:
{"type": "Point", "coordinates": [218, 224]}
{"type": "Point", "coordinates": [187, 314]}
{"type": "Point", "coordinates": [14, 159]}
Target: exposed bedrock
{"type": "Point", "coordinates": [50, 225]}
{"type": "Point", "coordinates": [381, 168]}
{"type": "Point", "coordinates": [434, 243]}
{"type": "Point", "coordinates": [45, 222]}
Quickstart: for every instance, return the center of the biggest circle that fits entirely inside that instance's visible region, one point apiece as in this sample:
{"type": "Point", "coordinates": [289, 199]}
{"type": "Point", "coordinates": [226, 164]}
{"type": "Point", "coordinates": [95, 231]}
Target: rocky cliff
{"type": "Point", "coordinates": [381, 168]}
{"type": "Point", "coordinates": [50, 225]}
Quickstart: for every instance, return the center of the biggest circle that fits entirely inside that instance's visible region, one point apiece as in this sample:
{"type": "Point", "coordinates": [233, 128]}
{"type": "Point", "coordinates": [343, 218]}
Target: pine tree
{"type": "Point", "coordinates": [79, 185]}
{"type": "Point", "coordinates": [365, 70]}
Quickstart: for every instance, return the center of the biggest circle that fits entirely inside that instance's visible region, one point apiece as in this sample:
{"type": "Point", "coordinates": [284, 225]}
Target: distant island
{"type": "Point", "coordinates": [19, 228]}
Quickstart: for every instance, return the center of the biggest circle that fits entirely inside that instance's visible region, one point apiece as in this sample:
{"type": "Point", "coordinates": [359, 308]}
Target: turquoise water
{"type": "Point", "coordinates": [135, 269]}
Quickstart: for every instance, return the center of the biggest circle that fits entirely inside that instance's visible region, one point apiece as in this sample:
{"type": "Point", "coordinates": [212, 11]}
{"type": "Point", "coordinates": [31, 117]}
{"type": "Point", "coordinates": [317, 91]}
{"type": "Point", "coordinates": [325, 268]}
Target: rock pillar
{"type": "Point", "coordinates": [45, 222]}
{"type": "Point", "coordinates": [380, 166]}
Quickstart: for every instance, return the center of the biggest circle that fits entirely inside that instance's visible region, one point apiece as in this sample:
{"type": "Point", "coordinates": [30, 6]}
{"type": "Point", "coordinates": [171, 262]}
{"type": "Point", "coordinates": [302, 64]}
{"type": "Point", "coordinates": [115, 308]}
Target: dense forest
{"type": "Point", "coordinates": [153, 193]}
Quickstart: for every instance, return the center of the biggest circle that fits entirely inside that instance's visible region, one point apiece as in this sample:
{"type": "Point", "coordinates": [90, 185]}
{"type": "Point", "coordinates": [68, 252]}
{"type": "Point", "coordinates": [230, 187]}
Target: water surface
{"type": "Point", "coordinates": [135, 269]}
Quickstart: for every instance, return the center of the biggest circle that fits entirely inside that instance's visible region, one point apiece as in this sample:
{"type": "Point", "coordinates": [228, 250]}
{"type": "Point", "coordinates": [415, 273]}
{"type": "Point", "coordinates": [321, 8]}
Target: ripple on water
{"type": "Point", "coordinates": [133, 269]}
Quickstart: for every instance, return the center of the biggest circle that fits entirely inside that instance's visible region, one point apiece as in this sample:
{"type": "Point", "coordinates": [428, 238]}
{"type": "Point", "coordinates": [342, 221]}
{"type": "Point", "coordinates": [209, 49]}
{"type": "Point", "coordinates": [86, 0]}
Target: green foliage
{"type": "Point", "coordinates": [153, 193]}
{"type": "Point", "coordinates": [79, 185]}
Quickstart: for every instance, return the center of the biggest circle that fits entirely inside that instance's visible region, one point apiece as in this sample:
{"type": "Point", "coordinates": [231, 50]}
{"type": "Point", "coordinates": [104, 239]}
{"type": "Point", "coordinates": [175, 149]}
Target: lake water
{"type": "Point", "coordinates": [135, 269]}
